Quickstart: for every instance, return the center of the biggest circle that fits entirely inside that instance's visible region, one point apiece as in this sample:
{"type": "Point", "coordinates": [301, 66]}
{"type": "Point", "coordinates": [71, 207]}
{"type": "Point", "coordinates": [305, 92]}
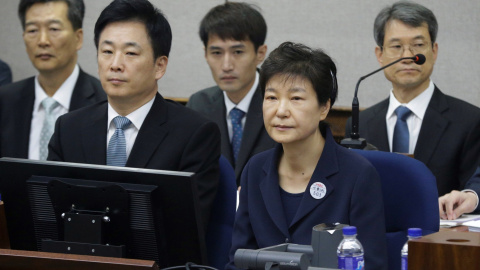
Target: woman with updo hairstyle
{"type": "Point", "coordinates": [307, 179]}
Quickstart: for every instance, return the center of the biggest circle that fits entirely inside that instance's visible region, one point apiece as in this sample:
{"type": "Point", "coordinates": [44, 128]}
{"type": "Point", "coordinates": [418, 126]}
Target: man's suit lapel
{"type": "Point", "coordinates": [251, 131]}
{"type": "Point", "coordinates": [377, 128]}
{"type": "Point", "coordinates": [23, 109]}
{"type": "Point", "coordinates": [218, 113]}
{"type": "Point", "coordinates": [94, 136]}
{"type": "Point", "coordinates": [326, 166]}
{"type": "Point", "coordinates": [83, 93]}
{"type": "Point", "coordinates": [433, 127]}
{"type": "Point", "coordinates": [150, 135]}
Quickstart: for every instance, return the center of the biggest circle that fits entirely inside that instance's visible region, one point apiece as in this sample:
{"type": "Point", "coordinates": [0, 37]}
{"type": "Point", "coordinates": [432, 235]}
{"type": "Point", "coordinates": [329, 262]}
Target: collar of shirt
{"type": "Point", "coordinates": [242, 105]}
{"type": "Point", "coordinates": [136, 117]}
{"type": "Point", "coordinates": [245, 102]}
{"type": "Point", "coordinates": [63, 95]}
{"type": "Point", "coordinates": [418, 105]}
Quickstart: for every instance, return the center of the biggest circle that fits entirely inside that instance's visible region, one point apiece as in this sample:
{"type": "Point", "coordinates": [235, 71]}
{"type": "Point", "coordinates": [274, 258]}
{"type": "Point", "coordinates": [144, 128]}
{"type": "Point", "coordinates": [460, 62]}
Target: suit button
{"type": "Point", "coordinates": [286, 240]}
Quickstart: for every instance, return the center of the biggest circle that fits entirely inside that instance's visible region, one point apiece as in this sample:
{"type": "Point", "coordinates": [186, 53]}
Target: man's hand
{"type": "Point", "coordinates": [456, 203]}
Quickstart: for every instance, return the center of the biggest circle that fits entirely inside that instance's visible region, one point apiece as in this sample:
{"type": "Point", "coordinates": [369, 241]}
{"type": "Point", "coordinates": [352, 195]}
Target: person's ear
{"type": "Point", "coordinates": [379, 54]}
{"type": "Point", "coordinates": [324, 110]}
{"type": "Point", "coordinates": [261, 53]}
{"type": "Point", "coordinates": [79, 37]}
{"type": "Point", "coordinates": [160, 66]}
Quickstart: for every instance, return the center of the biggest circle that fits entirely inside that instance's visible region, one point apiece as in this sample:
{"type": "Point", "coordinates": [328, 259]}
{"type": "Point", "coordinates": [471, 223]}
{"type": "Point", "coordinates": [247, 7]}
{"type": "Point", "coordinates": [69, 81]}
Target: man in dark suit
{"type": "Point", "coordinates": [441, 131]}
{"type": "Point", "coordinates": [137, 127]}
{"type": "Point", "coordinates": [5, 73]}
{"type": "Point", "coordinates": [53, 34]}
{"type": "Point", "coordinates": [233, 35]}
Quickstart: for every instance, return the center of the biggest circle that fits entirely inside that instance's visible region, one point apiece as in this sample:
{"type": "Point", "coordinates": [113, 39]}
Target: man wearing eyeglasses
{"type": "Point", "coordinates": [441, 131]}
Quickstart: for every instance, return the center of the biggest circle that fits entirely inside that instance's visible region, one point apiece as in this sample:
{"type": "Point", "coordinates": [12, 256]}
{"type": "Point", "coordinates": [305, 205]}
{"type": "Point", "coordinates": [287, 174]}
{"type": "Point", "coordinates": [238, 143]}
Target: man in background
{"type": "Point", "coordinates": [5, 73]}
{"type": "Point", "coordinates": [441, 131]}
{"type": "Point", "coordinates": [52, 31]}
{"type": "Point", "coordinates": [233, 35]}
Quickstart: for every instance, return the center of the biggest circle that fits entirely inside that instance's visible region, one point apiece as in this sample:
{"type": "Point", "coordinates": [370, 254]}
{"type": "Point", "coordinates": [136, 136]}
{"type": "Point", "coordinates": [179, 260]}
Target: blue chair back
{"type": "Point", "coordinates": [220, 228]}
{"type": "Point", "coordinates": [410, 197]}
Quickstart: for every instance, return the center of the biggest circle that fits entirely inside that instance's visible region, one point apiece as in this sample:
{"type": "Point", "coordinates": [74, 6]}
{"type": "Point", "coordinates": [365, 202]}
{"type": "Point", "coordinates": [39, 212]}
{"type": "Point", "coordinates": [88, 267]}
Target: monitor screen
{"type": "Point", "coordinates": [95, 209]}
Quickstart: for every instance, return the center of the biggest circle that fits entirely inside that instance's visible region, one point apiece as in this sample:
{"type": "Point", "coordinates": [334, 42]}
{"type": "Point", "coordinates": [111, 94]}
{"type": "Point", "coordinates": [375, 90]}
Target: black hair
{"type": "Point", "coordinates": [76, 11]}
{"type": "Point", "coordinates": [295, 59]}
{"type": "Point", "coordinates": [157, 26]}
{"type": "Point", "coordinates": [237, 21]}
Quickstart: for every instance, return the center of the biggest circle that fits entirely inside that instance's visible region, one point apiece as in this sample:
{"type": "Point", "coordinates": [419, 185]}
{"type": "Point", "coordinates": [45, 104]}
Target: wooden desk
{"type": "Point", "coordinates": [23, 260]}
{"type": "Point", "coordinates": [445, 249]}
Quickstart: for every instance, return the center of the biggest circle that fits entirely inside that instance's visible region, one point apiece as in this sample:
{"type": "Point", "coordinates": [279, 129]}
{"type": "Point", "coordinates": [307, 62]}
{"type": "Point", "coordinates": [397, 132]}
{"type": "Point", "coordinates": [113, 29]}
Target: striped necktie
{"type": "Point", "coordinates": [49, 104]}
{"type": "Point", "coordinates": [117, 146]}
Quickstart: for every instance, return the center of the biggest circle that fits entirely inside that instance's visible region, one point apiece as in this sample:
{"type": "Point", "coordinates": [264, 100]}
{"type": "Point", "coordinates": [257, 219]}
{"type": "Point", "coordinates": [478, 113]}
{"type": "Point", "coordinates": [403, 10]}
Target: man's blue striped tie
{"type": "Point", "coordinates": [401, 135]}
{"type": "Point", "coordinates": [117, 146]}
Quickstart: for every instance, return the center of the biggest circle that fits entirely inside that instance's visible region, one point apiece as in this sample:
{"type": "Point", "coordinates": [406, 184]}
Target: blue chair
{"type": "Point", "coordinates": [410, 197]}
{"type": "Point", "coordinates": [220, 228]}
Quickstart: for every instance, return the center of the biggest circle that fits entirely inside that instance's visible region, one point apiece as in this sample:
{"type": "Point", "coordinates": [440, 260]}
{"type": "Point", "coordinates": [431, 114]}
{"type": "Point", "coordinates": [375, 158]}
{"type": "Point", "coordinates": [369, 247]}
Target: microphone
{"type": "Point", "coordinates": [263, 259]}
{"type": "Point", "coordinates": [355, 141]}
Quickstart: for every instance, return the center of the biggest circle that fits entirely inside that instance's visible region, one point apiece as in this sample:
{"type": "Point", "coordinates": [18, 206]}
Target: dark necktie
{"type": "Point", "coordinates": [236, 116]}
{"type": "Point", "coordinates": [117, 146]}
{"type": "Point", "coordinates": [401, 135]}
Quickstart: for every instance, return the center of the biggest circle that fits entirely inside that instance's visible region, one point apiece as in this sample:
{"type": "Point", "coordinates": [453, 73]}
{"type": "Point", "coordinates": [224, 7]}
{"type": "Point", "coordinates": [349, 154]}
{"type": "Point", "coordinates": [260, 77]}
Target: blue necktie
{"type": "Point", "coordinates": [236, 116]}
{"type": "Point", "coordinates": [117, 146]}
{"type": "Point", "coordinates": [49, 104]}
{"type": "Point", "coordinates": [401, 136]}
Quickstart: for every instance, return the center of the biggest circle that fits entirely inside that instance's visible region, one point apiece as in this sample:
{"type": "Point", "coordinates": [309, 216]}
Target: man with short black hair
{"type": "Point", "coordinates": [137, 127]}
{"type": "Point", "coordinates": [233, 35]}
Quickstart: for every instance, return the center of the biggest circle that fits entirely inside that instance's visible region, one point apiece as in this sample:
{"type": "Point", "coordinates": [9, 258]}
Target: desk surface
{"type": "Point", "coordinates": [21, 259]}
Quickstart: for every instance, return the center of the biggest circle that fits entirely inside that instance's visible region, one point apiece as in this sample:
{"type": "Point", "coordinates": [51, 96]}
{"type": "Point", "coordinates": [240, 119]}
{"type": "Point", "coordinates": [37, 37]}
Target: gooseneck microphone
{"type": "Point", "coordinates": [355, 141]}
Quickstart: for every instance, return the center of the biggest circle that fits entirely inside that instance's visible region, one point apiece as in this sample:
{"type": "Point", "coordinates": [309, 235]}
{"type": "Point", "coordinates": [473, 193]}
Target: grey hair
{"type": "Point", "coordinates": [409, 13]}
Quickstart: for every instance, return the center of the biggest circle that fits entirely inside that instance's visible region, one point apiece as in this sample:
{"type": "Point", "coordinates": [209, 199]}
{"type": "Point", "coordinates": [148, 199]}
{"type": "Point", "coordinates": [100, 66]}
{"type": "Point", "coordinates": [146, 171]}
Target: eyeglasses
{"type": "Point", "coordinates": [396, 50]}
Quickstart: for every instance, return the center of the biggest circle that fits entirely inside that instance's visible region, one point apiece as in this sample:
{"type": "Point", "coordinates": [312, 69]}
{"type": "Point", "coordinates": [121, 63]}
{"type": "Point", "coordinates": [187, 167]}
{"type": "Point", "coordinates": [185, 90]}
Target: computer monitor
{"type": "Point", "coordinates": [144, 213]}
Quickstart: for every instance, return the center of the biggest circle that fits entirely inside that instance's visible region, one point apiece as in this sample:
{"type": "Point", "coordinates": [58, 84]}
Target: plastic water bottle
{"type": "Point", "coordinates": [413, 233]}
{"type": "Point", "coordinates": [350, 251]}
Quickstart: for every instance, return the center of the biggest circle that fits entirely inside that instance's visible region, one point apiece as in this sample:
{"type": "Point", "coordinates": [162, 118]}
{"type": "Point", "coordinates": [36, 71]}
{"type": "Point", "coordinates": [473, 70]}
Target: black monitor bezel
{"type": "Point", "coordinates": [185, 237]}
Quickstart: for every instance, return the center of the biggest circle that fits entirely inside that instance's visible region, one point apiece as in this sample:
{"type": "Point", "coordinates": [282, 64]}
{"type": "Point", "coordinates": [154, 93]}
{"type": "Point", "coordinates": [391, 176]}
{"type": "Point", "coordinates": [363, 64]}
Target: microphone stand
{"type": "Point", "coordinates": [355, 142]}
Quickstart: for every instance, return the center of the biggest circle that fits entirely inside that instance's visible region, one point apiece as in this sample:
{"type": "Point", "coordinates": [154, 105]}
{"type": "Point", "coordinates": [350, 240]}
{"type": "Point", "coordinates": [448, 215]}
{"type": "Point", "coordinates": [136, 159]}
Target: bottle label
{"type": "Point", "coordinates": [404, 262]}
{"type": "Point", "coordinates": [351, 263]}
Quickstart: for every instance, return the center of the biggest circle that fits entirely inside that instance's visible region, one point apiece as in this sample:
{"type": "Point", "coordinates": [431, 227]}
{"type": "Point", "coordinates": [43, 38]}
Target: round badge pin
{"type": "Point", "coordinates": [318, 190]}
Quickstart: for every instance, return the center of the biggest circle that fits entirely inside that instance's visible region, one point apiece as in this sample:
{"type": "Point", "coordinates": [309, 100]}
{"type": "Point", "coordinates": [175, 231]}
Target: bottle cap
{"type": "Point", "coordinates": [349, 230]}
{"type": "Point", "coordinates": [415, 232]}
